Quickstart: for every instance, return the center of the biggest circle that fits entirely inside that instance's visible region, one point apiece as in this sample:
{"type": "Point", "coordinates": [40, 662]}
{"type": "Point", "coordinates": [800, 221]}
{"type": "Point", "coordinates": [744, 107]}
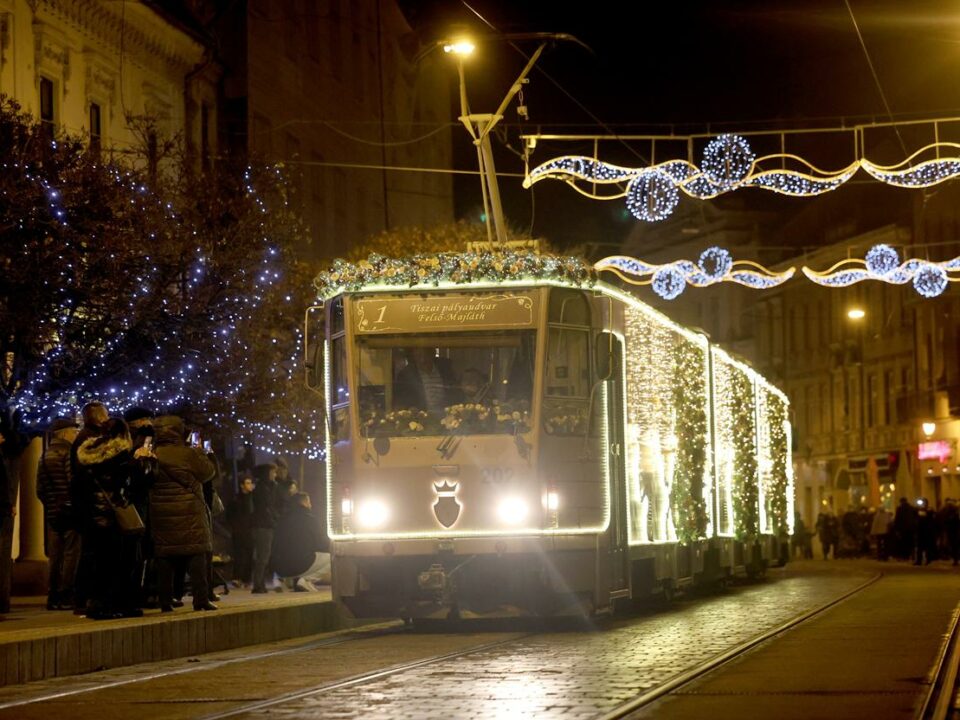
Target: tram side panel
{"type": "Point", "coordinates": [668, 470]}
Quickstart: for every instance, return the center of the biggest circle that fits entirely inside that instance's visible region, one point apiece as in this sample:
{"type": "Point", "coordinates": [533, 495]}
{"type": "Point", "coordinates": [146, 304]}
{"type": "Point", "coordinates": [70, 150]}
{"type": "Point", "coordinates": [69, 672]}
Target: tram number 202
{"type": "Point", "coordinates": [496, 475]}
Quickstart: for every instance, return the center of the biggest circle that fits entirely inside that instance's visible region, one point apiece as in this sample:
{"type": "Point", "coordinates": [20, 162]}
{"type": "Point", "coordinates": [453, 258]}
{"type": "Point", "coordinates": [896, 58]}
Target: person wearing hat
{"type": "Point", "coordinates": [63, 535]}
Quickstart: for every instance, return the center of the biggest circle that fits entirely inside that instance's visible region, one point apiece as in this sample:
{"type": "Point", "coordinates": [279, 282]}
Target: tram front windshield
{"type": "Point", "coordinates": [446, 383]}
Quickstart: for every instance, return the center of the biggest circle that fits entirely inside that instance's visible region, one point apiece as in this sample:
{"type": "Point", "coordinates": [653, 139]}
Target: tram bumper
{"type": "Point", "coordinates": [495, 577]}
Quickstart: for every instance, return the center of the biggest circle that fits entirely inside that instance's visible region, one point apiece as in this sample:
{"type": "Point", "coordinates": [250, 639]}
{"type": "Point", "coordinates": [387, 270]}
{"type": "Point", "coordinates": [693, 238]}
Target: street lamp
{"type": "Point", "coordinates": [479, 125]}
{"type": "Point", "coordinates": [856, 313]}
{"type": "Point", "coordinates": [929, 428]}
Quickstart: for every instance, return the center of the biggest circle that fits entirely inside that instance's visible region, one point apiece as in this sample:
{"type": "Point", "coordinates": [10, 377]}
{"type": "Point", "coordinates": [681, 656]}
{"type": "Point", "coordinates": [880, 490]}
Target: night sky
{"type": "Point", "coordinates": [694, 66]}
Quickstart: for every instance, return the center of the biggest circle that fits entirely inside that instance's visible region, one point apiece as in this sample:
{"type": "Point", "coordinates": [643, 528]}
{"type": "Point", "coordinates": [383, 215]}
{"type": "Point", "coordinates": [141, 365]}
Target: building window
{"type": "Point", "coordinates": [871, 400]}
{"type": "Point", "coordinates": [47, 110]}
{"type": "Point", "coordinates": [95, 129]}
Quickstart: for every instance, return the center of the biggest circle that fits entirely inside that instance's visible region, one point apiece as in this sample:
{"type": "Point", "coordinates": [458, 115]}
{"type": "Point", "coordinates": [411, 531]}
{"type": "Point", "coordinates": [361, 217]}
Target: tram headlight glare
{"type": "Point", "coordinates": [346, 507]}
{"type": "Point", "coordinates": [513, 511]}
{"type": "Point", "coordinates": [372, 513]}
{"type": "Point", "coordinates": [553, 500]}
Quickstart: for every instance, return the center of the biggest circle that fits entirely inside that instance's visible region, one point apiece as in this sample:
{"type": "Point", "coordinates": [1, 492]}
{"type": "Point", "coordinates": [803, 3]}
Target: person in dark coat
{"type": "Point", "coordinates": [266, 510]}
{"type": "Point", "coordinates": [179, 521]}
{"type": "Point", "coordinates": [301, 551]}
{"type": "Point", "coordinates": [926, 538]}
{"type": "Point", "coordinates": [12, 444]}
{"type": "Point", "coordinates": [94, 416]}
{"type": "Point", "coordinates": [829, 532]}
{"type": "Point", "coordinates": [140, 421]}
{"type": "Point", "coordinates": [905, 528]}
{"type": "Point", "coordinates": [63, 535]}
{"type": "Point", "coordinates": [108, 472]}
{"type": "Point", "coordinates": [240, 519]}
{"type": "Point", "coordinates": [951, 529]}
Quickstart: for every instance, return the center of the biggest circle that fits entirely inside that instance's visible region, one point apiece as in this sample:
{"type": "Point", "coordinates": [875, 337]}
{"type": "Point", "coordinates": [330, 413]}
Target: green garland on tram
{"type": "Point", "coordinates": [689, 402]}
{"type": "Point", "coordinates": [745, 495]}
{"type": "Point", "coordinates": [777, 414]}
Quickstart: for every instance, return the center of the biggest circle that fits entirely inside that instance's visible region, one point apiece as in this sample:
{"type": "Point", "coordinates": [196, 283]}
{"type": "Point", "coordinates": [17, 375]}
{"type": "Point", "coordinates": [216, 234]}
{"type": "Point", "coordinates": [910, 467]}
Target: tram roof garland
{"type": "Point", "coordinates": [454, 268]}
{"type": "Point", "coordinates": [729, 163]}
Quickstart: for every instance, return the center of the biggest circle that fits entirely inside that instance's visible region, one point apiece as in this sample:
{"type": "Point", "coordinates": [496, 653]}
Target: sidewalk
{"type": "Point", "coordinates": [36, 643]}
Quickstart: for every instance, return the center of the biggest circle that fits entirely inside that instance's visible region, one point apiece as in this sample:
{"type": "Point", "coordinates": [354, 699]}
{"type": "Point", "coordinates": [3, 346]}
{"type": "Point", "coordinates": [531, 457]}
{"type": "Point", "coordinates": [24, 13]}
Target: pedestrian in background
{"type": "Point", "coordinates": [240, 519]}
{"type": "Point", "coordinates": [94, 415]}
{"type": "Point", "coordinates": [12, 443]}
{"type": "Point", "coordinates": [951, 529]}
{"type": "Point", "coordinates": [925, 550]}
{"type": "Point", "coordinates": [828, 531]}
{"type": "Point", "coordinates": [109, 471]}
{"type": "Point", "coordinates": [180, 523]}
{"type": "Point", "coordinates": [63, 535]}
{"type": "Point", "coordinates": [880, 531]}
{"type": "Point", "coordinates": [301, 550]}
{"type": "Point", "coordinates": [266, 505]}
{"type": "Point", "coordinates": [905, 529]}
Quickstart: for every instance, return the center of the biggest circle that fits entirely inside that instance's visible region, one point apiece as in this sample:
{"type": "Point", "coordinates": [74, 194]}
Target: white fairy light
{"type": "Point", "coordinates": [727, 161]}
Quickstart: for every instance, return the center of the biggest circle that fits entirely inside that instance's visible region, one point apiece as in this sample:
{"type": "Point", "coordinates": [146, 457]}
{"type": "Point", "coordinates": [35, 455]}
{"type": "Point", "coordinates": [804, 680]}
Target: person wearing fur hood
{"type": "Point", "coordinates": [180, 523]}
{"type": "Point", "coordinates": [110, 470]}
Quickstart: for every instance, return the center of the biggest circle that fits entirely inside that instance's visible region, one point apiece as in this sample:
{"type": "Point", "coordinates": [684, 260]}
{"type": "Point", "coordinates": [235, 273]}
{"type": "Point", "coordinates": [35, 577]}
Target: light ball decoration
{"type": "Point", "coordinates": [715, 262]}
{"type": "Point", "coordinates": [727, 161]}
{"type": "Point", "coordinates": [882, 260]}
{"type": "Point", "coordinates": [930, 281]}
{"type": "Point", "coordinates": [668, 282]}
{"type": "Point", "coordinates": [652, 196]}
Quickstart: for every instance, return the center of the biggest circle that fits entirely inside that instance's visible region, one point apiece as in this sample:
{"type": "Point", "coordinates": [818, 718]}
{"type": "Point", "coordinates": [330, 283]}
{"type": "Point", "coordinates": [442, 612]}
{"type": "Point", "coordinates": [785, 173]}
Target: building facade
{"type": "Point", "coordinates": [106, 70]}
{"type": "Point", "coordinates": [340, 93]}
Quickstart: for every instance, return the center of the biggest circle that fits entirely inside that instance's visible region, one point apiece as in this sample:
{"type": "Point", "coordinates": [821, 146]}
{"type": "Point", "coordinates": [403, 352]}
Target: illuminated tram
{"type": "Point", "coordinates": [543, 444]}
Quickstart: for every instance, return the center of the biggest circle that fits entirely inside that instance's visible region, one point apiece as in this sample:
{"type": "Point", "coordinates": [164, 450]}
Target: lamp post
{"type": "Point", "coordinates": [857, 316]}
{"type": "Point", "coordinates": [479, 125]}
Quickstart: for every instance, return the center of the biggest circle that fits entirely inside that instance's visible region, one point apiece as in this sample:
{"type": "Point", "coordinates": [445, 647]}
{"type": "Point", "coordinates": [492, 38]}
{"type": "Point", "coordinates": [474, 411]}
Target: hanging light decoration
{"type": "Point", "coordinates": [882, 262]}
{"type": "Point", "coordinates": [652, 196]}
{"type": "Point", "coordinates": [715, 265]}
{"type": "Point", "coordinates": [727, 161]}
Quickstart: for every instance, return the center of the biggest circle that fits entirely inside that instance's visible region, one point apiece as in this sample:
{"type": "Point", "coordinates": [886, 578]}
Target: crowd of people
{"type": "Point", "coordinates": [915, 531]}
{"type": "Point", "coordinates": [132, 512]}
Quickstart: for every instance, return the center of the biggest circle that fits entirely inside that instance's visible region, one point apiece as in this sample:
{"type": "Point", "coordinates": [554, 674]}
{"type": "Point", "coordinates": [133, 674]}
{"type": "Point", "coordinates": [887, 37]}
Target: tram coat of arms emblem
{"type": "Point", "coordinates": [446, 508]}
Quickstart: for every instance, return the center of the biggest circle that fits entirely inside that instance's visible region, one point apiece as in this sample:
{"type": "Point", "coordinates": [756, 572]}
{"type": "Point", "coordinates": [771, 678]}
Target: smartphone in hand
{"type": "Point", "coordinates": [207, 446]}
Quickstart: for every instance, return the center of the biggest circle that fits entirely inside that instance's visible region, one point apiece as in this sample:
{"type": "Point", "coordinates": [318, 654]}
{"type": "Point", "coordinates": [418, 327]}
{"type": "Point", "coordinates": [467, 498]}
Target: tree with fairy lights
{"type": "Point", "coordinates": [173, 290]}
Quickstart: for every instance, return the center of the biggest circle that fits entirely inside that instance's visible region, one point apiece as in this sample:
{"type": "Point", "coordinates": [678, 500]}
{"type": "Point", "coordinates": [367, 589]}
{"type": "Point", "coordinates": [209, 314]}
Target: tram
{"type": "Point", "coordinates": [507, 434]}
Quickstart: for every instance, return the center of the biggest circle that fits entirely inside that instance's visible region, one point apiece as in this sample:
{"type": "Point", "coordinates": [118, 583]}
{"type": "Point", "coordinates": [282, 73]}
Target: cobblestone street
{"type": "Point", "coordinates": [565, 673]}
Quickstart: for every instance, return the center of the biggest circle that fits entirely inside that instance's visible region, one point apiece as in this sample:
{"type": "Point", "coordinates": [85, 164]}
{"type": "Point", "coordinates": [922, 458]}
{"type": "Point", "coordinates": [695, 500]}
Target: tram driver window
{"type": "Point", "coordinates": [567, 376]}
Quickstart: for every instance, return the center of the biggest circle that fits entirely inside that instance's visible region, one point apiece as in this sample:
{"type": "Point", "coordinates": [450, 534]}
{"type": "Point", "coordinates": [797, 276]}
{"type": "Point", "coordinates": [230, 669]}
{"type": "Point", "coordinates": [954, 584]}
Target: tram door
{"type": "Point", "coordinates": [610, 365]}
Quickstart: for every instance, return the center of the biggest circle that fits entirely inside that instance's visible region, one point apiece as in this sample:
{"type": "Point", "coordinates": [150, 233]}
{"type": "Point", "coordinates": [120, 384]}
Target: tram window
{"type": "Point", "coordinates": [336, 316]}
{"type": "Point", "coordinates": [568, 364]}
{"type": "Point", "coordinates": [340, 392]}
{"type": "Point", "coordinates": [569, 307]}
{"type": "Point", "coordinates": [478, 382]}
{"type": "Point", "coordinates": [340, 425]}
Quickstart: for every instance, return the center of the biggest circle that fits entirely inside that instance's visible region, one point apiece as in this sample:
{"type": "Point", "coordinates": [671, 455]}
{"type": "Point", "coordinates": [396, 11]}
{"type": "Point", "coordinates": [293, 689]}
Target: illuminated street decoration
{"type": "Point", "coordinates": [714, 265]}
{"type": "Point", "coordinates": [652, 196]}
{"type": "Point", "coordinates": [729, 163]}
{"type": "Point", "coordinates": [882, 262]}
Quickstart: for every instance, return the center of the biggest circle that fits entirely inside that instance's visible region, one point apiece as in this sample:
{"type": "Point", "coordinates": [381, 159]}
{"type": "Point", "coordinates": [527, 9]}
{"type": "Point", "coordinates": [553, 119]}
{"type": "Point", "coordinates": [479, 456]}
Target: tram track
{"type": "Point", "coordinates": [940, 702]}
{"type": "Point", "coordinates": [370, 632]}
{"type": "Point", "coordinates": [698, 671]}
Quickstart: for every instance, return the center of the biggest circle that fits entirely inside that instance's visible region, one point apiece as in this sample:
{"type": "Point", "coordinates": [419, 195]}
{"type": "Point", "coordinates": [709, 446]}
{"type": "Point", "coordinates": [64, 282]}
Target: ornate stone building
{"type": "Point", "coordinates": [99, 69]}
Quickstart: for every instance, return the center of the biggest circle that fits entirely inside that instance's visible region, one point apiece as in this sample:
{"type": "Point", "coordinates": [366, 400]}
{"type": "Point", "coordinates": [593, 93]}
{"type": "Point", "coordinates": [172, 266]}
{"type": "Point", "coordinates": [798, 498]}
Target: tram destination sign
{"type": "Point", "coordinates": [375, 315]}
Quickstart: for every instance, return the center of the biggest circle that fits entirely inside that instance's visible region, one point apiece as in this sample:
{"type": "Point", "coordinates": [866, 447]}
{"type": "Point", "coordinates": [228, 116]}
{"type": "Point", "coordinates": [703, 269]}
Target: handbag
{"type": "Point", "coordinates": [126, 515]}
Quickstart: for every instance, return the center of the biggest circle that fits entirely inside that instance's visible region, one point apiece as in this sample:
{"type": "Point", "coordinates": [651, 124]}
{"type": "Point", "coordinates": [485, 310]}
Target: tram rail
{"type": "Point", "coordinates": [941, 699]}
{"type": "Point", "coordinates": [688, 676]}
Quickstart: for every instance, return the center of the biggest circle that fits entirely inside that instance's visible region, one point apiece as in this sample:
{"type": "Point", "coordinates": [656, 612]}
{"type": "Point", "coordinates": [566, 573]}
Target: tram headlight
{"type": "Point", "coordinates": [553, 500]}
{"type": "Point", "coordinates": [372, 513]}
{"type": "Point", "coordinates": [513, 510]}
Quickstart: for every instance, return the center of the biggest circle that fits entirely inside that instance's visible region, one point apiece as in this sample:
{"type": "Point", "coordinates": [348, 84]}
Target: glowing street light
{"type": "Point", "coordinates": [856, 313]}
{"type": "Point", "coordinates": [929, 428]}
{"type": "Point", "coordinates": [461, 47]}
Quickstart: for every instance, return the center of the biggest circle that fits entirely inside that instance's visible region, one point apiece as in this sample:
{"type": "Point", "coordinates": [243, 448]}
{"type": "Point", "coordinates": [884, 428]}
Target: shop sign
{"type": "Point", "coordinates": [939, 450]}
